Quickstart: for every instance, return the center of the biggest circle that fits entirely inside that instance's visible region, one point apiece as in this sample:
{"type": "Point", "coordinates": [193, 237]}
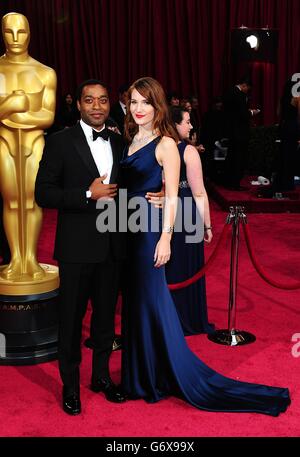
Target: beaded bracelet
{"type": "Point", "coordinates": [169, 229]}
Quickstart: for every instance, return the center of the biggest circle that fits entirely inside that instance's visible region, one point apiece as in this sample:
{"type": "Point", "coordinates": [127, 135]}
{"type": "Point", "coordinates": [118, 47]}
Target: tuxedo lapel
{"type": "Point", "coordinates": [84, 151]}
{"type": "Point", "coordinates": [122, 114]}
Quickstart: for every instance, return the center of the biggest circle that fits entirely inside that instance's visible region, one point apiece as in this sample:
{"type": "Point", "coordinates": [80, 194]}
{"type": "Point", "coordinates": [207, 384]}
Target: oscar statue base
{"type": "Point", "coordinates": [231, 337]}
{"type": "Point", "coordinates": [24, 285]}
{"type": "Point", "coordinates": [28, 319]}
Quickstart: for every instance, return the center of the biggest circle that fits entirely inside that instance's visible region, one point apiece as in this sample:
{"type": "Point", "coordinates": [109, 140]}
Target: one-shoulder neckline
{"type": "Point", "coordinates": [143, 147]}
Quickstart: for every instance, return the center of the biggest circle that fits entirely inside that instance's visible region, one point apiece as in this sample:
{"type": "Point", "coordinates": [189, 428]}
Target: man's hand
{"type": "Point", "coordinates": [156, 198]}
{"type": "Point", "coordinates": [100, 190]}
{"type": "Point", "coordinates": [254, 112]}
{"type": "Point", "coordinates": [114, 129]}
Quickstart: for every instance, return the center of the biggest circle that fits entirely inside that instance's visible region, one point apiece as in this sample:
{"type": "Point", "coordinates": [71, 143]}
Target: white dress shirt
{"type": "Point", "coordinates": [101, 151]}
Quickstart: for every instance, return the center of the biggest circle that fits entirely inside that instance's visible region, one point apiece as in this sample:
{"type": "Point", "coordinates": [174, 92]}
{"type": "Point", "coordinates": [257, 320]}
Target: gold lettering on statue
{"type": "Point", "coordinates": [25, 307]}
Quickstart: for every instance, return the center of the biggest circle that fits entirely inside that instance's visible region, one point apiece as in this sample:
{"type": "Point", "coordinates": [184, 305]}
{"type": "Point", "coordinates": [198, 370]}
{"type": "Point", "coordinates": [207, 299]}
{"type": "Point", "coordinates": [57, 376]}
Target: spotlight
{"type": "Point", "coordinates": [253, 41]}
{"type": "Point", "coordinates": [254, 45]}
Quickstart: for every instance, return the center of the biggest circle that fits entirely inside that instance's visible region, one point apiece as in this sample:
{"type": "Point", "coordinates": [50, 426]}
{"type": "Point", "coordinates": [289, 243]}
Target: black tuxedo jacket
{"type": "Point", "coordinates": [118, 115]}
{"type": "Point", "coordinates": [237, 114]}
{"type": "Point", "coordinates": [66, 171]}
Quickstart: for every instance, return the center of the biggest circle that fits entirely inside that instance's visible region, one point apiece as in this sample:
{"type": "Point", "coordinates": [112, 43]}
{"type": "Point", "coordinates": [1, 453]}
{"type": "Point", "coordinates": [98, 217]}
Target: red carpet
{"type": "Point", "coordinates": [30, 395]}
{"type": "Point", "coordinates": [256, 199]}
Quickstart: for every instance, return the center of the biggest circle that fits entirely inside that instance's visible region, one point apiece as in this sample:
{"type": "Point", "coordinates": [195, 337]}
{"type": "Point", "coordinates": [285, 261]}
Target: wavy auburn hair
{"type": "Point", "coordinates": [153, 92]}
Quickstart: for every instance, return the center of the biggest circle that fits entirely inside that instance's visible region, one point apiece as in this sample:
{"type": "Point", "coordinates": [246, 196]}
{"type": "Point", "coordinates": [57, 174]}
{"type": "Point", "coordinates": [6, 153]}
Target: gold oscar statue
{"type": "Point", "coordinates": [27, 106]}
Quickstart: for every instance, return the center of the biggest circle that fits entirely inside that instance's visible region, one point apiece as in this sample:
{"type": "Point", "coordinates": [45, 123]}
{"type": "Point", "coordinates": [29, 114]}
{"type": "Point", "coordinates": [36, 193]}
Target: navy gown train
{"type": "Point", "coordinates": [156, 361]}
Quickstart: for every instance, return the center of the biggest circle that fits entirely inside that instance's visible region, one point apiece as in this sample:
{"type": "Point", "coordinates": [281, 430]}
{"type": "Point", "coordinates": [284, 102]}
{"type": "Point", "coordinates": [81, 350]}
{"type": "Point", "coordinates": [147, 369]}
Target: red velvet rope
{"type": "Point", "coordinates": [259, 268]}
{"type": "Point", "coordinates": [200, 273]}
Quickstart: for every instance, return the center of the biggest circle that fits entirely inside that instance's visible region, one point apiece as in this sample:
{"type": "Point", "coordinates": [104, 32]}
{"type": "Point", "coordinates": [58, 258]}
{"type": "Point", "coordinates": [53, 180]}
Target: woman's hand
{"type": "Point", "coordinates": [163, 250]}
{"type": "Point", "coordinates": [200, 148]}
{"type": "Point", "coordinates": [208, 235]}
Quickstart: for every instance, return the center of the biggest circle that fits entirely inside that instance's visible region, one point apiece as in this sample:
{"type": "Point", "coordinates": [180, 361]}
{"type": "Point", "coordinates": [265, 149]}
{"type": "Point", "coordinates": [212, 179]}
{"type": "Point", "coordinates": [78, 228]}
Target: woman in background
{"type": "Point", "coordinates": [188, 257]}
{"type": "Point", "coordinates": [68, 114]}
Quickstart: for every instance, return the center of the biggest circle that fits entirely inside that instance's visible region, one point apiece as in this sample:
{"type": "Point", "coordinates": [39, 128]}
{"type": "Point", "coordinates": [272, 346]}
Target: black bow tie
{"type": "Point", "coordinates": [104, 134]}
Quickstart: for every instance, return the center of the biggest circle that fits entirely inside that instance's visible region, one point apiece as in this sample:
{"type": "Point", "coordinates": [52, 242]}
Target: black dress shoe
{"type": "Point", "coordinates": [110, 390]}
{"type": "Point", "coordinates": [117, 343]}
{"type": "Point", "coordinates": [71, 402]}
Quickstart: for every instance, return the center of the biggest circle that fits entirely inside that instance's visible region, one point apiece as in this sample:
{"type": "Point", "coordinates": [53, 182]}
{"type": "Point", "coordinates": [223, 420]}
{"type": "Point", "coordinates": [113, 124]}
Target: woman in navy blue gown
{"type": "Point", "coordinates": [187, 249]}
{"type": "Point", "coordinates": [156, 361]}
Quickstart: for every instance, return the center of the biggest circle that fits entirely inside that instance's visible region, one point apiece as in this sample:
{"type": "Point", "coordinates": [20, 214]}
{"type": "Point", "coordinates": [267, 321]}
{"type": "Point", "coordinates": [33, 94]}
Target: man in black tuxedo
{"type": "Point", "coordinates": [118, 110]}
{"type": "Point", "coordinates": [79, 166]}
{"type": "Point", "coordinates": [238, 117]}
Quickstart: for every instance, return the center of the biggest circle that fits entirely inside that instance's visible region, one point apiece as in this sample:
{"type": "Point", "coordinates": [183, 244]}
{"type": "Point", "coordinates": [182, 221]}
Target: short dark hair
{"type": "Point", "coordinates": [217, 99]}
{"type": "Point", "coordinates": [176, 114]}
{"type": "Point", "coordinates": [245, 80]}
{"type": "Point", "coordinates": [123, 88]}
{"type": "Point", "coordinates": [171, 95]}
{"type": "Point", "coordinates": [88, 82]}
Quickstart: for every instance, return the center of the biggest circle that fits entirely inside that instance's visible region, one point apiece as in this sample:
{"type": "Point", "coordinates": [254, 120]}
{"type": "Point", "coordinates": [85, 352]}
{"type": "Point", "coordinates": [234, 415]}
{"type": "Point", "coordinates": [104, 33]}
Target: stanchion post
{"type": "Point", "coordinates": [231, 336]}
{"type": "Point", "coordinates": [234, 221]}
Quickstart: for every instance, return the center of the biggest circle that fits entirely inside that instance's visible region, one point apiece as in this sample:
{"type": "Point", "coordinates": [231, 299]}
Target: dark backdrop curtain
{"type": "Point", "coordinates": [183, 43]}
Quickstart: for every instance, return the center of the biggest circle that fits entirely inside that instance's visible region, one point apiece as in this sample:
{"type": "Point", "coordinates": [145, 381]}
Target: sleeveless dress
{"type": "Point", "coordinates": [156, 361]}
{"type": "Point", "coordinates": [186, 260]}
